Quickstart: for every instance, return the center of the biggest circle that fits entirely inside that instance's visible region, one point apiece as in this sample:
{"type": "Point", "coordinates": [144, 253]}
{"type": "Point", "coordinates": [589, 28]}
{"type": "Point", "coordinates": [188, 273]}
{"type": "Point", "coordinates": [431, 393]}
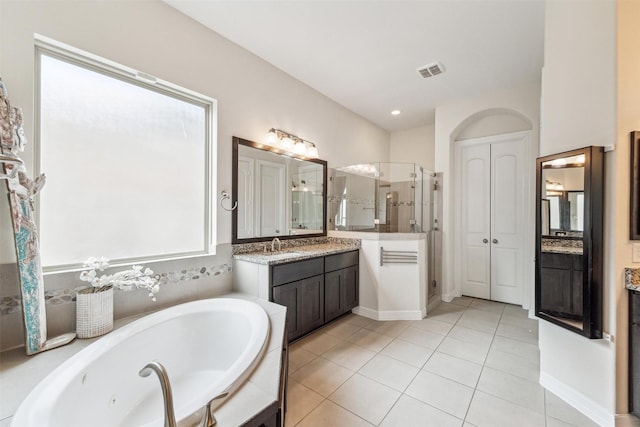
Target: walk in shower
{"type": "Point", "coordinates": [394, 209]}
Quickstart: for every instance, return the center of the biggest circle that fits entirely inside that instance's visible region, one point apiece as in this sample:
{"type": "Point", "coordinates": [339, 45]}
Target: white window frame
{"type": "Point", "coordinates": [61, 51]}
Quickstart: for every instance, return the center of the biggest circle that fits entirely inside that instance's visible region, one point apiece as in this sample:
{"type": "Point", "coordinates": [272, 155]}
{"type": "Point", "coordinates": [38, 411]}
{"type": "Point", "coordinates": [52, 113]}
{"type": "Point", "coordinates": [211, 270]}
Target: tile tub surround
{"type": "Point", "coordinates": [471, 363]}
{"type": "Point", "coordinates": [302, 249]}
{"type": "Point", "coordinates": [182, 280]}
{"type": "Point", "coordinates": [20, 373]}
{"type": "Point", "coordinates": [632, 279]}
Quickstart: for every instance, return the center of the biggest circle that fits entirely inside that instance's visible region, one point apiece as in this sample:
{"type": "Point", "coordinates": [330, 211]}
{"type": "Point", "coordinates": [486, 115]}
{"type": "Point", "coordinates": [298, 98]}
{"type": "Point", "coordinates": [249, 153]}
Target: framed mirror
{"type": "Point", "coordinates": [278, 195]}
{"type": "Point", "coordinates": [569, 240]}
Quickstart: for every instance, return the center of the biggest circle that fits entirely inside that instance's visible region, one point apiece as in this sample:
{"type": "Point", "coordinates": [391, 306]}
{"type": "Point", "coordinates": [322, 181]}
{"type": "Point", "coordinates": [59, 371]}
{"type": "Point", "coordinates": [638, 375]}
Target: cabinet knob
{"type": "Point", "coordinates": [485, 241]}
{"type": "Point", "coordinates": [495, 240]}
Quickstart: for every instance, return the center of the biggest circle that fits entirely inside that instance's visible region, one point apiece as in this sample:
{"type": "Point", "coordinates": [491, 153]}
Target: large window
{"type": "Point", "coordinates": [128, 160]}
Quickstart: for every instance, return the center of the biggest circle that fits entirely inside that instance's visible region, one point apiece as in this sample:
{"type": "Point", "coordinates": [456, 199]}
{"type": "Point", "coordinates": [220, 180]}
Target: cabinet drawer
{"type": "Point", "coordinates": [293, 271]}
{"type": "Point", "coordinates": [339, 261]}
{"type": "Point", "coordinates": [563, 261]}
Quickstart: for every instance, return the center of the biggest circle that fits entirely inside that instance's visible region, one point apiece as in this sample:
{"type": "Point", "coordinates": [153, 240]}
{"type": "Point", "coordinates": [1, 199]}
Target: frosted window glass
{"type": "Point", "coordinates": [126, 168]}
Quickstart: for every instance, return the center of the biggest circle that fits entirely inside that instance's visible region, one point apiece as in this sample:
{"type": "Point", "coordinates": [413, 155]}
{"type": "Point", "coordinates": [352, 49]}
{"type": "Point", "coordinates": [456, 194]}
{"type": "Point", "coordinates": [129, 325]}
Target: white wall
{"type": "Point", "coordinates": [628, 119]}
{"type": "Point", "coordinates": [152, 37]}
{"type": "Point", "coordinates": [415, 145]}
{"type": "Point", "coordinates": [578, 109]}
{"type": "Point", "coordinates": [451, 121]}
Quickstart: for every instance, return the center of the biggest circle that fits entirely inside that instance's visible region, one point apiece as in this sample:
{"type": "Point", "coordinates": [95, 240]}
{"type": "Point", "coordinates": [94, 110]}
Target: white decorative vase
{"type": "Point", "coordinates": [94, 312]}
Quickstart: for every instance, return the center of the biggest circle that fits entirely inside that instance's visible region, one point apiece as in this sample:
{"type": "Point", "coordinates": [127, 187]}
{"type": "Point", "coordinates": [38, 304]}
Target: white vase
{"type": "Point", "coordinates": [94, 312]}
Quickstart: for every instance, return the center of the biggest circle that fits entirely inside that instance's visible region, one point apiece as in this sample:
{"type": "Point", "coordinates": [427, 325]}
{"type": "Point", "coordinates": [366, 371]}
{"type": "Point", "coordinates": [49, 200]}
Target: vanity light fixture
{"type": "Point", "coordinates": [291, 143]}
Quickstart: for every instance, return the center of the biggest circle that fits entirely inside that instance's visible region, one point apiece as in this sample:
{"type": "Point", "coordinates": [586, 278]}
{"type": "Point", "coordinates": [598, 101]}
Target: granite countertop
{"type": "Point", "coordinates": [21, 373]}
{"type": "Point", "coordinates": [632, 279]}
{"type": "Point", "coordinates": [296, 253]}
{"type": "Point", "coordinates": [561, 250]}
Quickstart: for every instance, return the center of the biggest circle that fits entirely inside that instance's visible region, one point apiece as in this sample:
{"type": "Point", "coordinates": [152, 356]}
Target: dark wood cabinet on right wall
{"type": "Point", "coordinates": [569, 240]}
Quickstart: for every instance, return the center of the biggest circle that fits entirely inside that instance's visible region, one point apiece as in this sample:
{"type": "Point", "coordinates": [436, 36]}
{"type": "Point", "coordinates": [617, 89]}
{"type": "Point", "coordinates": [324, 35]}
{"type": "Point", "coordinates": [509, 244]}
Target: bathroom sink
{"type": "Point", "coordinates": [282, 255]}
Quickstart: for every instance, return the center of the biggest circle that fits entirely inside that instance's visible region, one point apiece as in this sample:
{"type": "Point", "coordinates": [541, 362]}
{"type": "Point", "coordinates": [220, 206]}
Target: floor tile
{"type": "Point", "coordinates": [513, 389]}
{"type": "Point", "coordinates": [300, 401]}
{"type": "Point", "coordinates": [390, 328]}
{"type": "Point", "coordinates": [404, 351]}
{"type": "Point", "coordinates": [431, 325]}
{"type": "Point", "coordinates": [298, 357]}
{"type": "Point", "coordinates": [463, 301]}
{"type": "Point", "coordinates": [454, 368]}
{"type": "Point", "coordinates": [492, 306]}
{"type": "Point", "coordinates": [512, 364]}
{"type": "Point", "coordinates": [444, 394]}
{"type": "Point", "coordinates": [390, 372]}
{"type": "Point", "coordinates": [523, 322]}
{"type": "Point", "coordinates": [322, 376]}
{"type": "Point", "coordinates": [370, 340]}
{"type": "Point", "coordinates": [490, 411]}
{"type": "Point", "coordinates": [421, 337]}
{"type": "Point", "coordinates": [349, 355]}
{"type": "Point", "coordinates": [446, 313]}
{"type": "Point", "coordinates": [358, 320]}
{"type": "Point", "coordinates": [465, 350]}
{"type": "Point", "coordinates": [465, 334]}
{"type": "Point", "coordinates": [341, 330]}
{"type": "Point", "coordinates": [319, 343]}
{"type": "Point", "coordinates": [561, 411]}
{"type": "Point", "coordinates": [518, 333]}
{"type": "Point", "coordinates": [366, 398]}
{"type": "Point", "coordinates": [410, 412]}
{"type": "Point", "coordinates": [515, 310]}
{"type": "Point", "coordinates": [330, 414]}
{"type": "Point", "coordinates": [518, 348]}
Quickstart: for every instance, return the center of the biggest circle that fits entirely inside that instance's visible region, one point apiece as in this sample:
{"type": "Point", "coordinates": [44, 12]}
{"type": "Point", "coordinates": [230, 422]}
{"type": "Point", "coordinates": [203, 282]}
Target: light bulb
{"type": "Point", "coordinates": [287, 143]}
{"type": "Point", "coordinates": [300, 148]}
{"type": "Point", "coordinates": [313, 152]}
{"type": "Point", "coordinates": [272, 138]}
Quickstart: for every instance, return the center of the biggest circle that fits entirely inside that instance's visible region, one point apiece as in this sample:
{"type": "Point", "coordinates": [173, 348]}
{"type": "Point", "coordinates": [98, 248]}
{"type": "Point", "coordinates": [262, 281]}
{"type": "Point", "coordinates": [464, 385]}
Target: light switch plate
{"type": "Point", "coordinates": [635, 252]}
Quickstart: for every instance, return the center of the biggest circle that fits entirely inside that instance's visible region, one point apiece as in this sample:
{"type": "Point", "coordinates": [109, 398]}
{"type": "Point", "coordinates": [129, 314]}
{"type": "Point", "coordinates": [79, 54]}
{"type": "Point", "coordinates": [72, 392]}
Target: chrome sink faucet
{"type": "Point", "coordinates": [169, 415]}
{"type": "Point", "coordinates": [273, 243]}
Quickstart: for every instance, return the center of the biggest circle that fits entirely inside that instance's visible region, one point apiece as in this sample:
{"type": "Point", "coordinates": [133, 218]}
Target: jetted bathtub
{"type": "Point", "coordinates": [207, 347]}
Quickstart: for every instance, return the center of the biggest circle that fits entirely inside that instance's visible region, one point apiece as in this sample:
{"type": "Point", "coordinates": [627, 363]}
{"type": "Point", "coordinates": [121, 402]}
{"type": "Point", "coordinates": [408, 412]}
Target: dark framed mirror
{"type": "Point", "coordinates": [278, 194]}
{"type": "Point", "coordinates": [569, 239]}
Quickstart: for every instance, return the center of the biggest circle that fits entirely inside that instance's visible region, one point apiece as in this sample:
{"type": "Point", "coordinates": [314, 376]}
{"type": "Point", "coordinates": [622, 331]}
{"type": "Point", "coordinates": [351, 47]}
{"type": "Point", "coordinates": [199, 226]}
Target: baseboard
{"type": "Point", "coordinates": [389, 314]}
{"type": "Point", "coordinates": [579, 401]}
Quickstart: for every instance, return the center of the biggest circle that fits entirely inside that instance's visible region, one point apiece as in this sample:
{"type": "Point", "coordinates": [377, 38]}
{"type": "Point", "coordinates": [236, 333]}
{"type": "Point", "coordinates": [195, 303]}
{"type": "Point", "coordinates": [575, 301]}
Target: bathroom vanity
{"type": "Point", "coordinates": [317, 283]}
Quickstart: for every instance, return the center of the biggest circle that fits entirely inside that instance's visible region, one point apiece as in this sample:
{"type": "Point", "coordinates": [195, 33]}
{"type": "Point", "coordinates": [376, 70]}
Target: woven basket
{"type": "Point", "coordinates": [94, 312]}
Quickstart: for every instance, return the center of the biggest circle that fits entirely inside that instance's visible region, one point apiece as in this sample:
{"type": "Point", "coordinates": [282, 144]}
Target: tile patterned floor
{"type": "Point", "coordinates": [469, 363]}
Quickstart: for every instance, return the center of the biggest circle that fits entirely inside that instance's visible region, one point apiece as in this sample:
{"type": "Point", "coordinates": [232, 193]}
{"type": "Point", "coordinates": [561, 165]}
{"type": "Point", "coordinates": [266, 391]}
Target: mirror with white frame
{"type": "Point", "coordinates": [277, 194]}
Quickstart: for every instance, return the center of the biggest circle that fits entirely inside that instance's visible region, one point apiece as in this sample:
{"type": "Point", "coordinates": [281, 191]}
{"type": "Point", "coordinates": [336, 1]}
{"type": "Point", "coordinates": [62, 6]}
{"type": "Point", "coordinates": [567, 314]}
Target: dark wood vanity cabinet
{"type": "Point", "coordinates": [340, 284]}
{"type": "Point", "coordinates": [562, 275]}
{"type": "Point", "coordinates": [634, 352]}
{"type": "Point", "coordinates": [315, 291]}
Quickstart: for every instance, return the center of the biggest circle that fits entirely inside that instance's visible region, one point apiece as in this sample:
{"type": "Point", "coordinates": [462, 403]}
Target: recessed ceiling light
{"type": "Point", "coordinates": [395, 112]}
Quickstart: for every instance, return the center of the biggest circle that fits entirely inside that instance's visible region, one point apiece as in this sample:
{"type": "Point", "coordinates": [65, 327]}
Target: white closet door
{"type": "Point", "coordinates": [507, 225]}
{"type": "Point", "coordinates": [270, 179]}
{"type": "Point", "coordinates": [476, 220]}
{"type": "Point", "coordinates": [493, 206]}
{"type": "Point", "coordinates": [245, 198]}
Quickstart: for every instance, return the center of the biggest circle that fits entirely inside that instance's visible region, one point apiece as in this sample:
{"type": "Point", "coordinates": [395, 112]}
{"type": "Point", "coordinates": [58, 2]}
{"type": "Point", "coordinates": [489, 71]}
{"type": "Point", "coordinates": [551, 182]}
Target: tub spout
{"type": "Point", "coordinates": [169, 416]}
{"type": "Point", "coordinates": [208, 420]}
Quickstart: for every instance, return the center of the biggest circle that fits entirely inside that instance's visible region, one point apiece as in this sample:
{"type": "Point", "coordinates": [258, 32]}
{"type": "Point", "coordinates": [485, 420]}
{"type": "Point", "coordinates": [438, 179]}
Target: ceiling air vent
{"type": "Point", "coordinates": [431, 70]}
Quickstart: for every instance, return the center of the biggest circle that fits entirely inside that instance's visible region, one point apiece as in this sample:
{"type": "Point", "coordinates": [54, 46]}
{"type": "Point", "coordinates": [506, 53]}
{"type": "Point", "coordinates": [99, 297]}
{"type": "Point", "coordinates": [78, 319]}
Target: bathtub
{"type": "Point", "coordinates": [207, 347]}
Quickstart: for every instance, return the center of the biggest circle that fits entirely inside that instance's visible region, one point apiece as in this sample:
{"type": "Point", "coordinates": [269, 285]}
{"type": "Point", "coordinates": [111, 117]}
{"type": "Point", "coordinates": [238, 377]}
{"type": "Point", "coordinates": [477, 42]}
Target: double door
{"type": "Point", "coordinates": [493, 206]}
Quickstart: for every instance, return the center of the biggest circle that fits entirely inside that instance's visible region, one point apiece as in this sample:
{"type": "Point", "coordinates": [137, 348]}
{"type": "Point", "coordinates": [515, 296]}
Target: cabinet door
{"type": "Point", "coordinates": [341, 292]}
{"type": "Point", "coordinates": [310, 303]}
{"type": "Point", "coordinates": [332, 300]}
{"type": "Point", "coordinates": [557, 295]}
{"type": "Point", "coordinates": [304, 300]}
{"type": "Point", "coordinates": [287, 295]}
{"type": "Point", "coordinates": [351, 291]}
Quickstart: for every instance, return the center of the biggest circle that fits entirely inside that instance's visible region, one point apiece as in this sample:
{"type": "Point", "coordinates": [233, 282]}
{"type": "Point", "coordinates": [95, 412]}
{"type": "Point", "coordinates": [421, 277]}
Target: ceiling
{"type": "Point", "coordinates": [364, 54]}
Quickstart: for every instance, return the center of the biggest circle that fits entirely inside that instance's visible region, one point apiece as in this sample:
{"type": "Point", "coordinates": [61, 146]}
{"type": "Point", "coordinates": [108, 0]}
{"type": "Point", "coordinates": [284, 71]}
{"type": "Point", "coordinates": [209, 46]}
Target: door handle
{"type": "Point", "coordinates": [485, 241]}
{"type": "Point", "coordinates": [495, 240]}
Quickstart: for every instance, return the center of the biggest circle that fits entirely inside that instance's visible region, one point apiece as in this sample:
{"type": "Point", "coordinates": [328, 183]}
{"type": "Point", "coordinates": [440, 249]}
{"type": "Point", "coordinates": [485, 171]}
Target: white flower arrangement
{"type": "Point", "coordinates": [125, 280]}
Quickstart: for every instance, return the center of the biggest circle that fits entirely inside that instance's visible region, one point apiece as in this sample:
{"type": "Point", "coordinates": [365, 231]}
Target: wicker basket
{"type": "Point", "coordinates": [94, 312]}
